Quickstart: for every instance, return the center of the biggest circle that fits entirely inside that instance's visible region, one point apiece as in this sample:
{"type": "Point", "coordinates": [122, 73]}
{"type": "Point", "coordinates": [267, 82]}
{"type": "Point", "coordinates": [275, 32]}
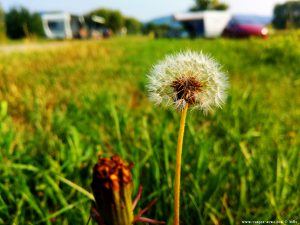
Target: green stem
{"type": "Point", "coordinates": [178, 166]}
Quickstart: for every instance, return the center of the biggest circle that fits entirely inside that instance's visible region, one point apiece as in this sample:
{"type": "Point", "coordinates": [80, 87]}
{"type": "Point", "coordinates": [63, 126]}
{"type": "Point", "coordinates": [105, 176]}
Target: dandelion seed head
{"type": "Point", "coordinates": [188, 78]}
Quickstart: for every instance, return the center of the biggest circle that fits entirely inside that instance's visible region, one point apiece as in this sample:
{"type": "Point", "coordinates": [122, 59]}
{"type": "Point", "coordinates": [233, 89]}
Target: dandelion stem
{"type": "Point", "coordinates": [178, 166]}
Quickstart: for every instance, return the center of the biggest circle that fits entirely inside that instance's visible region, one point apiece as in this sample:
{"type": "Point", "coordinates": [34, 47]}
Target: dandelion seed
{"type": "Point", "coordinates": [188, 78]}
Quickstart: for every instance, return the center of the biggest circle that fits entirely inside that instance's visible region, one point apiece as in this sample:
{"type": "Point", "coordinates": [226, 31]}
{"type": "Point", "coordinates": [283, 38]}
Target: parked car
{"type": "Point", "coordinates": [244, 29]}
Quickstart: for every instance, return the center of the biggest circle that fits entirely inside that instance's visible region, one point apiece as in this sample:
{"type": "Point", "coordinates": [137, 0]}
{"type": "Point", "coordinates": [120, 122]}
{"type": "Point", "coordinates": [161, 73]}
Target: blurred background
{"type": "Point", "coordinates": [73, 87]}
{"type": "Point", "coordinates": [202, 18]}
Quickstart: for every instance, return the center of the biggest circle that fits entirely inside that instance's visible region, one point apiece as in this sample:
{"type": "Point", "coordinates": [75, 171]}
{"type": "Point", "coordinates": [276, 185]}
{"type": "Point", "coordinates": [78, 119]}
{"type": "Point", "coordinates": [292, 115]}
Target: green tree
{"type": "Point", "coordinates": [21, 23]}
{"type": "Point", "coordinates": [2, 23]}
{"type": "Point", "coordinates": [133, 25]}
{"type": "Point", "coordinates": [202, 5]}
{"type": "Point", "coordinates": [116, 21]}
{"type": "Point", "coordinates": [36, 25]}
{"type": "Point", "coordinates": [287, 15]}
{"type": "Point", "coordinates": [113, 18]}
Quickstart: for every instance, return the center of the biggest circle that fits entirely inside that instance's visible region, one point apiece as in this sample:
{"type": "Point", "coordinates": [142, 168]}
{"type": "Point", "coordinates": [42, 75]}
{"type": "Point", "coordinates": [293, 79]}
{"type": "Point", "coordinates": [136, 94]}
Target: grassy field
{"type": "Point", "coordinates": [61, 108]}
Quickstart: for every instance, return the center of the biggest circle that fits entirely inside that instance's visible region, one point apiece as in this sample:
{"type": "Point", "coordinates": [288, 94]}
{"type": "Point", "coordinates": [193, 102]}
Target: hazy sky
{"type": "Point", "coordinates": [141, 9]}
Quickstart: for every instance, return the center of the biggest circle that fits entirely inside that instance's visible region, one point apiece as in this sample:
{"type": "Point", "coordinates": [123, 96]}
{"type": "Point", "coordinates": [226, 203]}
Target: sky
{"type": "Point", "coordinates": [143, 10]}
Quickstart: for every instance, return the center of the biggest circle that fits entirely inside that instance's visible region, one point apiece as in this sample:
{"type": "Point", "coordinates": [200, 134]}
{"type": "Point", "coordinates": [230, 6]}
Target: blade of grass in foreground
{"type": "Point", "coordinates": [62, 179]}
{"type": "Point", "coordinates": [77, 187]}
{"type": "Point", "coordinates": [61, 211]}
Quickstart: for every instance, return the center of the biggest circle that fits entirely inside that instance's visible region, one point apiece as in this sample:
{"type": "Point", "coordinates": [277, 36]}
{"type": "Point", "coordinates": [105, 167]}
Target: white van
{"type": "Point", "coordinates": [60, 25]}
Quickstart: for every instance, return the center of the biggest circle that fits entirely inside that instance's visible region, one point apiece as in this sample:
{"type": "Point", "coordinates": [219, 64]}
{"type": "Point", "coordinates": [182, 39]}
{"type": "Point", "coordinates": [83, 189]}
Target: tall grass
{"type": "Point", "coordinates": [60, 108]}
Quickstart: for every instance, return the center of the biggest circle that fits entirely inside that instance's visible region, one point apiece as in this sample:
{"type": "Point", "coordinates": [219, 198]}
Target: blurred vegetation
{"type": "Point", "coordinates": [59, 108]}
{"type": "Point", "coordinates": [116, 21]}
{"type": "Point", "coordinates": [287, 15]}
{"type": "Point", "coordinates": [202, 5]}
{"type": "Point", "coordinates": [2, 23]}
{"type": "Point", "coordinates": [159, 31]}
{"type": "Point", "coordinates": [20, 23]}
{"type": "Point", "coordinates": [132, 25]}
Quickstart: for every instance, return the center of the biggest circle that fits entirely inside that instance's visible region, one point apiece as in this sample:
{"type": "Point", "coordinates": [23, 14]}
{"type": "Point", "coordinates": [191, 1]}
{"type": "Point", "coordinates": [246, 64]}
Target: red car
{"type": "Point", "coordinates": [244, 29]}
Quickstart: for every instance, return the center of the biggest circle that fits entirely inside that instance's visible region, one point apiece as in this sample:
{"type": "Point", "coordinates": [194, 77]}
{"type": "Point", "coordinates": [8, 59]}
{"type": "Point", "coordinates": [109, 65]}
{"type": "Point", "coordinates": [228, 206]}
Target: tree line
{"type": "Point", "coordinates": [20, 22]}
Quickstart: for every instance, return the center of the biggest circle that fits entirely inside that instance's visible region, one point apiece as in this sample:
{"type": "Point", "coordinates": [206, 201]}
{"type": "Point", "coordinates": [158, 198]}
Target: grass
{"type": "Point", "coordinates": [61, 108]}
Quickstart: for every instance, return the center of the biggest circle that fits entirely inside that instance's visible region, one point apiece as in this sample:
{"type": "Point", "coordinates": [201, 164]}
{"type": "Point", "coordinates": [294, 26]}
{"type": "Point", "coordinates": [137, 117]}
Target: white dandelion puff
{"type": "Point", "coordinates": [188, 78]}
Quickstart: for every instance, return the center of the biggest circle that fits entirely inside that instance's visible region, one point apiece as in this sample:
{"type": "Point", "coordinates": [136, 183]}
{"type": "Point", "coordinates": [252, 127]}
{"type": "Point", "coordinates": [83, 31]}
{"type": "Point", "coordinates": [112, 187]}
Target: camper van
{"type": "Point", "coordinates": [208, 23]}
{"type": "Point", "coordinates": [60, 25]}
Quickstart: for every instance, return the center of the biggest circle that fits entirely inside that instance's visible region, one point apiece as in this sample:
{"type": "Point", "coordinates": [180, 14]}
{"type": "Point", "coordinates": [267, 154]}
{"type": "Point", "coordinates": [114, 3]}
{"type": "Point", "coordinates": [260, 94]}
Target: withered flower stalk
{"type": "Point", "coordinates": [112, 189]}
